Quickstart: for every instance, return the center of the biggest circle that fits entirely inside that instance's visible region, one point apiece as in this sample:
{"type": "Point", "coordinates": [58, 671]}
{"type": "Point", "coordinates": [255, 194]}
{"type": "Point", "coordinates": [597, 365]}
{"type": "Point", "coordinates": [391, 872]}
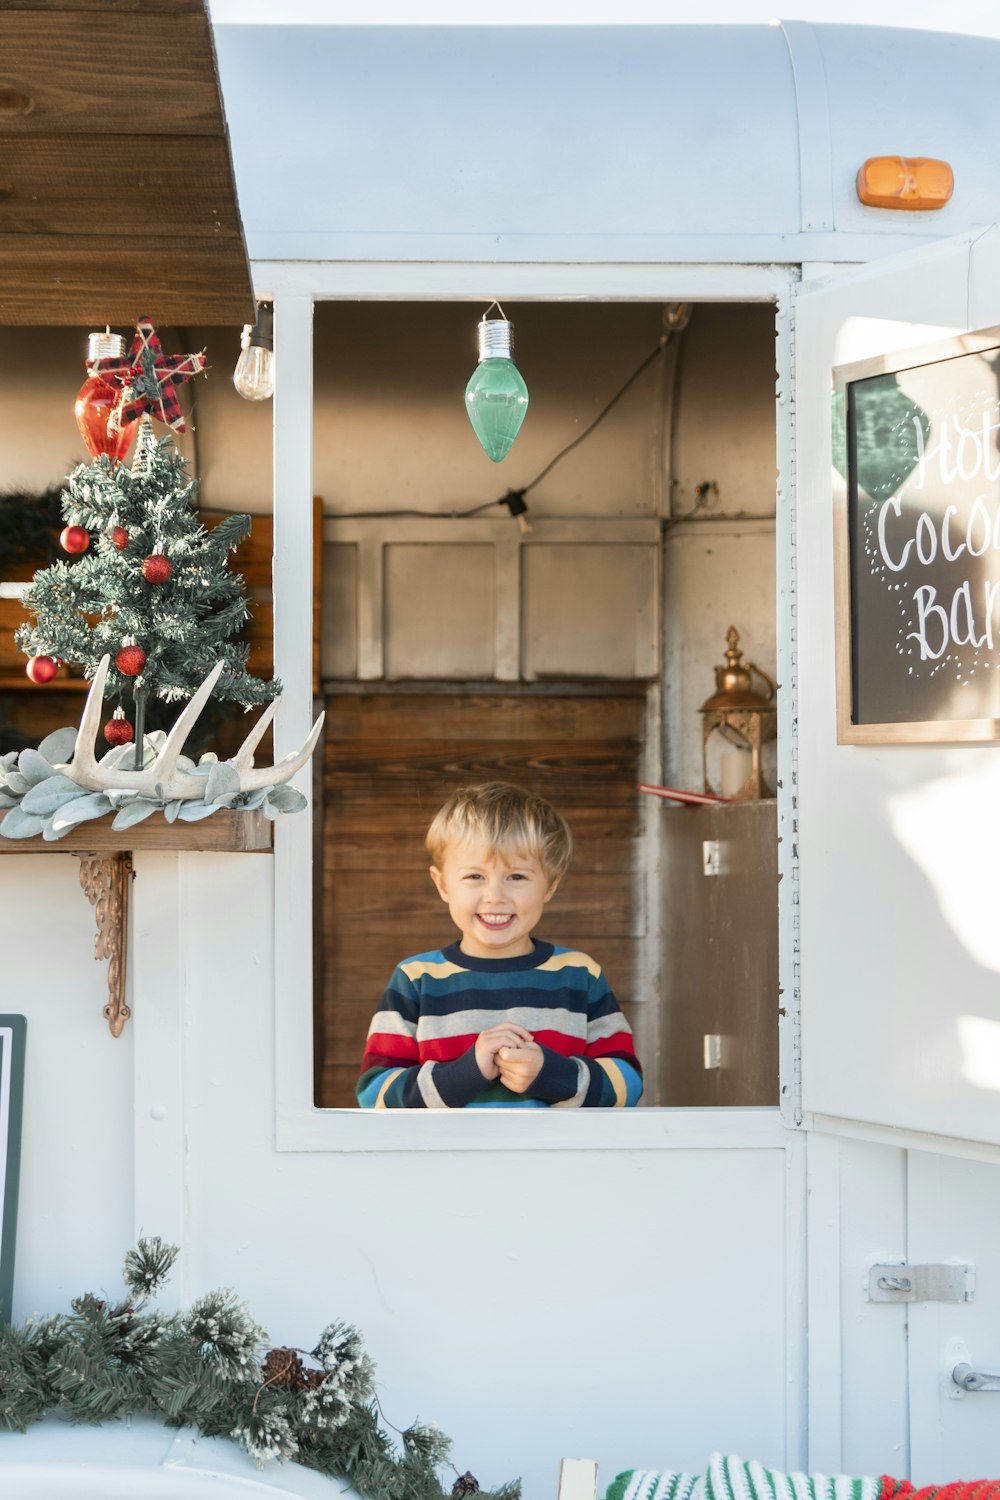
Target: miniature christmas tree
{"type": "Point", "coordinates": [152, 588]}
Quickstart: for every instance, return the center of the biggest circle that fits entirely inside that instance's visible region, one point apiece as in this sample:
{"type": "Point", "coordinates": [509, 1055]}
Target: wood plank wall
{"type": "Point", "coordinates": [390, 759]}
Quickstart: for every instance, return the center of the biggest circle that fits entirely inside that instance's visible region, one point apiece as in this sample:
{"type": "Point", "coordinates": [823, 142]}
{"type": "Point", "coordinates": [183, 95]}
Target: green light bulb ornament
{"type": "Point", "coordinates": [496, 397]}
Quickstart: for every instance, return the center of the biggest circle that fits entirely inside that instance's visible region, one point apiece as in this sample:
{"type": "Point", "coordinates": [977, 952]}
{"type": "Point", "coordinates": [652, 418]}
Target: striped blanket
{"type": "Point", "coordinates": [729, 1478]}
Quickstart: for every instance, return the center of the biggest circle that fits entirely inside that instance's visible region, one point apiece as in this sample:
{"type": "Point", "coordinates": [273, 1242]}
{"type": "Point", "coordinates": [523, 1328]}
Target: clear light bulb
{"type": "Point", "coordinates": [496, 397]}
{"type": "Point", "coordinates": [254, 373]}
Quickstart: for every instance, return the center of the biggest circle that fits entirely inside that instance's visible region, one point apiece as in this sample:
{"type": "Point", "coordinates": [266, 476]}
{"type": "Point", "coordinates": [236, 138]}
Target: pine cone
{"type": "Point", "coordinates": [284, 1368]}
{"type": "Point", "coordinates": [313, 1379]}
{"type": "Point", "coordinates": [465, 1484]}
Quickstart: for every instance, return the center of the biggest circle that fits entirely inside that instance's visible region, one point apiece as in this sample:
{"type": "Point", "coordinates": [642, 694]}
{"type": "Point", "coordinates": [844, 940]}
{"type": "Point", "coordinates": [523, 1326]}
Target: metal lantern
{"type": "Point", "coordinates": [738, 722]}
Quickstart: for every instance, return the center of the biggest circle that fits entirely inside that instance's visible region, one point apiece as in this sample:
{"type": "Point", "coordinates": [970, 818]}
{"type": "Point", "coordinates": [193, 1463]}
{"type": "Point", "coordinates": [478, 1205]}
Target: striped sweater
{"type": "Point", "coordinates": [420, 1052]}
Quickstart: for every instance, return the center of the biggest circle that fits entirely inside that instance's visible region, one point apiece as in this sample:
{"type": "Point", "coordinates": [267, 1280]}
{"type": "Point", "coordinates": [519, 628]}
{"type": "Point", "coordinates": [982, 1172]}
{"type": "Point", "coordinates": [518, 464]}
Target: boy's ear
{"type": "Point", "coordinates": [552, 888]}
{"type": "Point", "coordinates": [438, 879]}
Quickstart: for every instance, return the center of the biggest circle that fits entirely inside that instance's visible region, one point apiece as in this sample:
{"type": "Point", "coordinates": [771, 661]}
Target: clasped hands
{"type": "Point", "coordinates": [510, 1053]}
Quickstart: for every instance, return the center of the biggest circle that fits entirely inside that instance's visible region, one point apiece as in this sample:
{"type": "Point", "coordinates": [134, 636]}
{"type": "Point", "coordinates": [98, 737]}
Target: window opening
{"type": "Point", "coordinates": [446, 629]}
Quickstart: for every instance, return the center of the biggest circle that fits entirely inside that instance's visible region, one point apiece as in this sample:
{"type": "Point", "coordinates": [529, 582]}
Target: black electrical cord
{"type": "Point", "coordinates": [514, 499]}
{"type": "Point", "coordinates": [598, 419]}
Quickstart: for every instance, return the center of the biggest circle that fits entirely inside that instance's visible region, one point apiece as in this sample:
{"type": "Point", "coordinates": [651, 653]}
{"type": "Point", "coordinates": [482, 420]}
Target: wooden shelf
{"type": "Point", "coordinates": [222, 833]}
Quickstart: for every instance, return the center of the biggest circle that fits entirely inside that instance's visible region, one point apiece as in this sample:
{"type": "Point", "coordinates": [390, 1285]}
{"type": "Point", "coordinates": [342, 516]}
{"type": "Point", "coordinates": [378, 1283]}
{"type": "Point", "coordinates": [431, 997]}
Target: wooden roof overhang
{"type": "Point", "coordinates": [117, 194]}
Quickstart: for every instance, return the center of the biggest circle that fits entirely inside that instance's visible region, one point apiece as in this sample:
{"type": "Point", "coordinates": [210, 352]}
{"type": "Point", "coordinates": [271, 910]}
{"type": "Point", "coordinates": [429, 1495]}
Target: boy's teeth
{"type": "Point", "coordinates": [494, 921]}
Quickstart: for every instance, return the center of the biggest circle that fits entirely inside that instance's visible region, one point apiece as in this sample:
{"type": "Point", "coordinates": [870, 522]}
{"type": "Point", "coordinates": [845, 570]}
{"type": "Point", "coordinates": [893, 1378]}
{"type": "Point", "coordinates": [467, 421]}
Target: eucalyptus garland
{"type": "Point", "coordinates": [210, 1368]}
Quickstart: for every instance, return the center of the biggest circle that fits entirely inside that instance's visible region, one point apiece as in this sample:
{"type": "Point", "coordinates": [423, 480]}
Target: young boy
{"type": "Point", "coordinates": [498, 1018]}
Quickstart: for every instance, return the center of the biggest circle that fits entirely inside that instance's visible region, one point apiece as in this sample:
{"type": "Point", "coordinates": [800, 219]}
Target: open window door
{"type": "Point", "coordinates": [899, 792]}
{"type": "Point", "coordinates": [898, 841]}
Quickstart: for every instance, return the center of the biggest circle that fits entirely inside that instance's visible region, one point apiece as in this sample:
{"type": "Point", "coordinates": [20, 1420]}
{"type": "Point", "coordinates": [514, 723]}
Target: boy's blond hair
{"type": "Point", "coordinates": [508, 819]}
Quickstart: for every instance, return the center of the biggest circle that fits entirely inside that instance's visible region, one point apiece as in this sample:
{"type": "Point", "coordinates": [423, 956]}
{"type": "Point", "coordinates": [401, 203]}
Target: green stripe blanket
{"type": "Point", "coordinates": [729, 1478]}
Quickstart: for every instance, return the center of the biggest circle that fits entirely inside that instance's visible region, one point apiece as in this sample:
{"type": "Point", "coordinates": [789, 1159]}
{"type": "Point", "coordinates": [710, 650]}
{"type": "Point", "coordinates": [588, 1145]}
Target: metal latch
{"type": "Point", "coordinates": [711, 856]}
{"type": "Point", "coordinates": [974, 1380]}
{"type": "Point", "coordinates": [921, 1283]}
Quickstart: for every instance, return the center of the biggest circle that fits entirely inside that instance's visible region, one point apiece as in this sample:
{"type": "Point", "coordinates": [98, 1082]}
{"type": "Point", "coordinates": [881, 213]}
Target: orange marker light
{"type": "Point", "coordinates": [905, 182]}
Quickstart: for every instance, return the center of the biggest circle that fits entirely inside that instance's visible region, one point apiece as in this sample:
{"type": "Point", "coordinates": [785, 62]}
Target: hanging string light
{"type": "Point", "coordinates": [496, 396]}
{"type": "Point", "coordinates": [254, 373]}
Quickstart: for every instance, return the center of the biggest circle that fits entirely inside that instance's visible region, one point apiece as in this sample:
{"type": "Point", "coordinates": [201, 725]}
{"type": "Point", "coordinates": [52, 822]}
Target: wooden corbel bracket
{"type": "Point", "coordinates": [106, 879]}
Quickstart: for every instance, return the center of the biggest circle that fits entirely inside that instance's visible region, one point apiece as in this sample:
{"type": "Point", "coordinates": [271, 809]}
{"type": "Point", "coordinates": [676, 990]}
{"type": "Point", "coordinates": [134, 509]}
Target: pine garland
{"type": "Point", "coordinates": [207, 1368]}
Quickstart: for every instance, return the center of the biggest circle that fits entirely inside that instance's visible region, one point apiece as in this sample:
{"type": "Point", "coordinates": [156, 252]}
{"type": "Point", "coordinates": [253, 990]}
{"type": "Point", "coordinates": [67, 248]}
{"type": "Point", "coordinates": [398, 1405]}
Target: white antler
{"type": "Point", "coordinates": [163, 778]}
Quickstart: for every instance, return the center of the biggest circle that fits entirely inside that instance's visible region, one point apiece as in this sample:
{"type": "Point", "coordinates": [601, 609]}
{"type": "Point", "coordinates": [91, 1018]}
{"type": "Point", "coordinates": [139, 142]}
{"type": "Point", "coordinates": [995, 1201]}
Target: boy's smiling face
{"type": "Point", "coordinates": [496, 899]}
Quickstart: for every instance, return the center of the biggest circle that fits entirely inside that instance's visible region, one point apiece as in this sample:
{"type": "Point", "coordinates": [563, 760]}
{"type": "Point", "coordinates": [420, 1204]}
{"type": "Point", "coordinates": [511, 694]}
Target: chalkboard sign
{"type": "Point", "coordinates": [917, 450]}
{"type": "Point", "coordinates": [12, 1033]}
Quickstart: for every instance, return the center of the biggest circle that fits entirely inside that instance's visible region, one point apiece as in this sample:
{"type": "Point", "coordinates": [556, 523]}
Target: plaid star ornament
{"type": "Point", "coordinates": [148, 378]}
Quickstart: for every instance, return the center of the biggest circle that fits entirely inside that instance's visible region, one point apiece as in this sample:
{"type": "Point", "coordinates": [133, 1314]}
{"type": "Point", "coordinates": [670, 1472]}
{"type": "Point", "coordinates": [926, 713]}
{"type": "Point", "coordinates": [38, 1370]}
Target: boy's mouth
{"type": "Point", "coordinates": [495, 920]}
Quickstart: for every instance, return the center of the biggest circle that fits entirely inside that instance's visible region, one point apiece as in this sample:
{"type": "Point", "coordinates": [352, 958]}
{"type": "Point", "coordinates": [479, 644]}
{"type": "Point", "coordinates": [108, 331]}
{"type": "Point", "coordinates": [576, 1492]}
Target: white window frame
{"type": "Point", "coordinates": [294, 288]}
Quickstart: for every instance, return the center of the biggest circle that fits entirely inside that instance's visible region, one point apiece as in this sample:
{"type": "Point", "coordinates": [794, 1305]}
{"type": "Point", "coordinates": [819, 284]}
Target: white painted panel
{"type": "Point", "coordinates": [439, 611]}
{"type": "Point", "coordinates": [339, 651]}
{"type": "Point", "coordinates": [859, 1417]}
{"type": "Point", "coordinates": [898, 989]}
{"type": "Point", "coordinates": [589, 611]}
{"type": "Point", "coordinates": [75, 1202]}
{"type": "Point", "coordinates": [954, 1216]}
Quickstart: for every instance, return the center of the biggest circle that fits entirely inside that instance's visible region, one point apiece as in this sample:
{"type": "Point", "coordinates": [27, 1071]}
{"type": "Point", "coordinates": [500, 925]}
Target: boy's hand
{"type": "Point", "coordinates": [488, 1044]}
{"type": "Point", "coordinates": [520, 1066]}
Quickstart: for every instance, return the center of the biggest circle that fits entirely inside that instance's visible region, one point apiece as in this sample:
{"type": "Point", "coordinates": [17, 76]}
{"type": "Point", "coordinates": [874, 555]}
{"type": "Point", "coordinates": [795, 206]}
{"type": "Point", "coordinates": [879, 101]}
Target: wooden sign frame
{"type": "Point", "coordinates": [12, 1038]}
{"type": "Point", "coordinates": [950, 730]}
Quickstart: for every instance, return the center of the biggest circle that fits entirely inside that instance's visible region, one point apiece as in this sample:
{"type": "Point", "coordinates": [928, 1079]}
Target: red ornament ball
{"type": "Point", "coordinates": [74, 539]}
{"type": "Point", "coordinates": [118, 732]}
{"type": "Point", "coordinates": [42, 669]}
{"type": "Point", "coordinates": [156, 568]}
{"type": "Point", "coordinates": [119, 538]}
{"type": "Point", "coordinates": [130, 661]}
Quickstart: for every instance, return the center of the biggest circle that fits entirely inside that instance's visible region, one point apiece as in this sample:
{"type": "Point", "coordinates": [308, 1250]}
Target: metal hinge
{"type": "Point", "coordinates": [902, 1283]}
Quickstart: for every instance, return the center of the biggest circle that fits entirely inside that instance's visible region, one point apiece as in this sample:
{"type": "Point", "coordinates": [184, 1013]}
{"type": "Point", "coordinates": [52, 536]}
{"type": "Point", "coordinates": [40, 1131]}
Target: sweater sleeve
{"type": "Point", "coordinates": [608, 1075]}
{"type": "Point", "coordinates": [392, 1075]}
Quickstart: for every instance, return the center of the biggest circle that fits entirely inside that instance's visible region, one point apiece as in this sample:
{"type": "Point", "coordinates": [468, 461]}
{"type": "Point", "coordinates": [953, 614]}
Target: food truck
{"type": "Point", "coordinates": [753, 277]}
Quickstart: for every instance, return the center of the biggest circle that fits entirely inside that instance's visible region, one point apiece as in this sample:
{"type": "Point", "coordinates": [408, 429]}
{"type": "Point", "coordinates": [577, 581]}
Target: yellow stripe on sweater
{"type": "Point", "coordinates": [421, 968]}
{"type": "Point", "coordinates": [614, 1072]}
{"type": "Point", "coordinates": [381, 1093]}
{"type": "Point", "coordinates": [572, 960]}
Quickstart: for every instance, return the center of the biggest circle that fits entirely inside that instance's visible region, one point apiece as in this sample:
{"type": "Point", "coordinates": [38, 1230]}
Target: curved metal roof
{"type": "Point", "coordinates": [666, 143]}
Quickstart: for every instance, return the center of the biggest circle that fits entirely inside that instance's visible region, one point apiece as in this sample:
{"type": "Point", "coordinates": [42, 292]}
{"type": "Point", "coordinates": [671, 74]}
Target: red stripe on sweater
{"type": "Point", "coordinates": [444, 1048]}
{"type": "Point", "coordinates": [619, 1042]}
{"type": "Point", "coordinates": [389, 1051]}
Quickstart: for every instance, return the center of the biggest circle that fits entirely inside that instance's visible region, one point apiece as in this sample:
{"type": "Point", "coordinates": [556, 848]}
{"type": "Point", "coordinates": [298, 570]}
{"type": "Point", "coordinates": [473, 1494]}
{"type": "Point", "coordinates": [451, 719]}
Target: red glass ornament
{"type": "Point", "coordinates": [42, 669]}
{"type": "Point", "coordinates": [156, 568]}
{"type": "Point", "coordinates": [74, 539]}
{"type": "Point", "coordinates": [119, 538]}
{"type": "Point", "coordinates": [130, 661]}
{"type": "Point", "coordinates": [95, 402]}
{"type": "Point", "coordinates": [118, 731]}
